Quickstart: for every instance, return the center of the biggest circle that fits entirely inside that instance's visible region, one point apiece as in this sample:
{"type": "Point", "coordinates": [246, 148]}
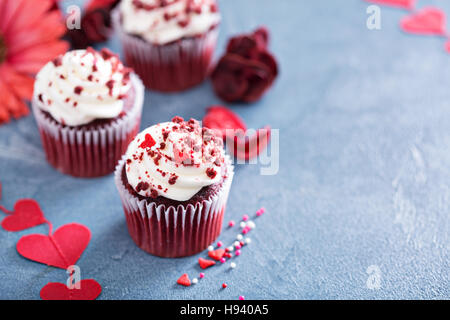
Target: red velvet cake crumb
{"type": "Point", "coordinates": [78, 90]}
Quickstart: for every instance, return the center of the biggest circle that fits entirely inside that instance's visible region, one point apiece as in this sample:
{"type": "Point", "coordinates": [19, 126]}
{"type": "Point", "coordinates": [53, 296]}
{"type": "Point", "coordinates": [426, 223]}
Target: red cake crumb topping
{"type": "Point", "coordinates": [154, 194]}
{"type": "Point", "coordinates": [78, 89]}
{"type": "Point", "coordinates": [211, 173]}
{"type": "Point", "coordinates": [108, 54]}
{"type": "Point", "coordinates": [173, 179]}
{"type": "Point", "coordinates": [183, 23]}
{"type": "Point", "coordinates": [142, 186]}
{"type": "Point", "coordinates": [177, 119]}
{"type": "Point", "coordinates": [57, 61]}
{"type": "Point", "coordinates": [110, 86]}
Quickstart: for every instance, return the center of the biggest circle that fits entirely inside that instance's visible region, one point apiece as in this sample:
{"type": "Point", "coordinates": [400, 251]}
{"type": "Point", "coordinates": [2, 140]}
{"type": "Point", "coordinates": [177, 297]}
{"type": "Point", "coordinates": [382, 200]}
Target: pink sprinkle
{"type": "Point", "coordinates": [231, 223]}
{"type": "Point", "coordinates": [202, 275]}
{"type": "Point", "coordinates": [246, 230]}
{"type": "Point", "coordinates": [238, 252]}
{"type": "Point", "coordinates": [219, 244]}
{"type": "Point", "coordinates": [238, 246]}
{"type": "Point", "coordinates": [245, 217]}
{"type": "Point", "coordinates": [223, 260]}
{"type": "Point", "coordinates": [241, 298]}
{"type": "Point", "coordinates": [260, 211]}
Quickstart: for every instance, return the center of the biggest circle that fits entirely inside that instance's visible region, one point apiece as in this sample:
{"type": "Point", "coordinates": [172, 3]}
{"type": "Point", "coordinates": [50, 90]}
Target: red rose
{"type": "Point", "coordinates": [246, 70]}
{"type": "Point", "coordinates": [95, 24]}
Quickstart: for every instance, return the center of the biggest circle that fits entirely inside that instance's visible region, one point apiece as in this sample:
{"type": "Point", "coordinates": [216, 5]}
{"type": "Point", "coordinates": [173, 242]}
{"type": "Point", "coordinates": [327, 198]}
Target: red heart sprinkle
{"type": "Point", "coordinates": [428, 21]}
{"type": "Point", "coordinates": [221, 118]}
{"type": "Point", "coordinates": [184, 280]}
{"type": "Point", "coordinates": [89, 289]}
{"type": "Point", "coordinates": [26, 214]}
{"type": "Point", "coordinates": [205, 263]}
{"type": "Point", "coordinates": [216, 254]}
{"type": "Point", "coordinates": [61, 249]}
{"type": "Point", "coordinates": [404, 4]}
{"type": "Point", "coordinates": [148, 142]}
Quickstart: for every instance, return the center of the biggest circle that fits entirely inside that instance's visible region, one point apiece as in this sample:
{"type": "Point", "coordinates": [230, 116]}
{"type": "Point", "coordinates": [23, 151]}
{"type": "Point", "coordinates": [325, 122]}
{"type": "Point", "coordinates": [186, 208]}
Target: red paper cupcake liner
{"type": "Point", "coordinates": [173, 232]}
{"type": "Point", "coordinates": [89, 152]}
{"type": "Point", "coordinates": [172, 67]}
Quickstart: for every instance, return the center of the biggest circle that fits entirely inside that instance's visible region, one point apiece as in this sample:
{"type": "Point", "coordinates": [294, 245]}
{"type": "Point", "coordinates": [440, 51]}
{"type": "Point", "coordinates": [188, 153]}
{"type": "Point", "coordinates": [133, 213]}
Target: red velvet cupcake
{"type": "Point", "coordinates": [174, 182]}
{"type": "Point", "coordinates": [88, 108]}
{"type": "Point", "coordinates": [170, 43]}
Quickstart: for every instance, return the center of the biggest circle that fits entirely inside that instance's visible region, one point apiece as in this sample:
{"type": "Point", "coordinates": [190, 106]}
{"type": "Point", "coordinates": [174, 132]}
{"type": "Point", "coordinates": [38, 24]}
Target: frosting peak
{"type": "Point", "coordinates": [174, 159]}
{"type": "Point", "coordinates": [164, 21]}
{"type": "Point", "coordinates": [82, 86]}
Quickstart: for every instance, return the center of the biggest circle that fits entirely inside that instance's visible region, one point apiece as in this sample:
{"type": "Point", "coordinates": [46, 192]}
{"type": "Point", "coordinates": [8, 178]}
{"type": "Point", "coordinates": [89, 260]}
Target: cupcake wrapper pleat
{"type": "Point", "coordinates": [89, 152]}
{"type": "Point", "coordinates": [168, 68]}
{"type": "Point", "coordinates": [174, 231]}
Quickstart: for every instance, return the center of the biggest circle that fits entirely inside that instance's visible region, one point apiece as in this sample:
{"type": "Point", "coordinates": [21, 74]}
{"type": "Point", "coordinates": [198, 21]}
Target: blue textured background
{"type": "Point", "coordinates": [364, 173]}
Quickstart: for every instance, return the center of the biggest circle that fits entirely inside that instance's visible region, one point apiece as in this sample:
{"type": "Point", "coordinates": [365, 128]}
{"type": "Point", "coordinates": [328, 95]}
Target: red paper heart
{"type": "Point", "coordinates": [184, 280]}
{"type": "Point", "coordinates": [89, 290]}
{"type": "Point", "coordinates": [61, 249]}
{"type": "Point", "coordinates": [216, 254]}
{"type": "Point", "coordinates": [428, 21]}
{"type": "Point", "coordinates": [26, 214]}
{"type": "Point", "coordinates": [205, 263]}
{"type": "Point", "coordinates": [405, 4]}
{"type": "Point", "coordinates": [221, 118]}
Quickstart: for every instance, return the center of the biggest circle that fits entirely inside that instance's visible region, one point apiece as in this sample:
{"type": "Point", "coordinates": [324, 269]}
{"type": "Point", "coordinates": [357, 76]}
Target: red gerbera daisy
{"type": "Point", "coordinates": [30, 34]}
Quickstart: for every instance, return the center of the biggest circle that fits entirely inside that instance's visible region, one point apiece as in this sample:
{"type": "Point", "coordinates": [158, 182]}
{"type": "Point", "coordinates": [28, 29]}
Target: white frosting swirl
{"type": "Point", "coordinates": [164, 21]}
{"type": "Point", "coordinates": [174, 160]}
{"type": "Point", "coordinates": [82, 86]}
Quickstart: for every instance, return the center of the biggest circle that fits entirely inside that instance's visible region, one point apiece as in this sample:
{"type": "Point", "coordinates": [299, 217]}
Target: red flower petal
{"type": "Point", "coordinates": [262, 37]}
{"type": "Point", "coordinates": [428, 21]}
{"type": "Point", "coordinates": [11, 105]}
{"type": "Point", "coordinates": [247, 70]}
{"type": "Point", "coordinates": [221, 118]}
{"type": "Point", "coordinates": [32, 59]}
{"type": "Point", "coordinates": [249, 147]}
